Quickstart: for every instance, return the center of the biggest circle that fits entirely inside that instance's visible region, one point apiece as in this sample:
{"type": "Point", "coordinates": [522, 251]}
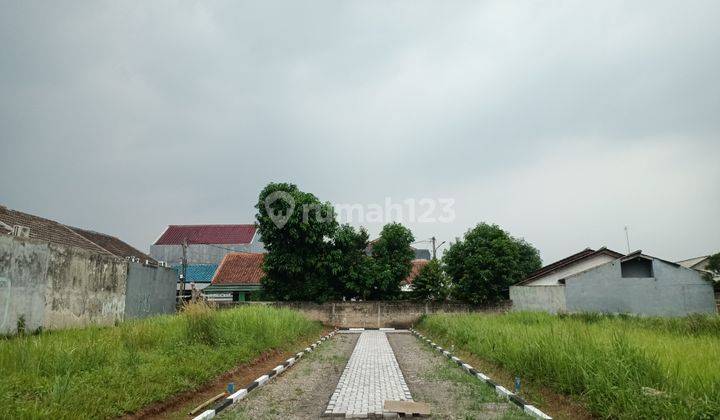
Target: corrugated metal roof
{"type": "Point", "coordinates": [240, 268]}
{"type": "Point", "coordinates": [207, 234]}
{"type": "Point", "coordinates": [198, 273]}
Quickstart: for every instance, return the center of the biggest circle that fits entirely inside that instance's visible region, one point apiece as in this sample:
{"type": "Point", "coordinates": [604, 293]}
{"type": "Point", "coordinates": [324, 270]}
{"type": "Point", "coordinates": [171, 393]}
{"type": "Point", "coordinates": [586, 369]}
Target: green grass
{"type": "Point", "coordinates": [472, 394]}
{"type": "Point", "coordinates": [101, 372]}
{"type": "Point", "coordinates": [621, 367]}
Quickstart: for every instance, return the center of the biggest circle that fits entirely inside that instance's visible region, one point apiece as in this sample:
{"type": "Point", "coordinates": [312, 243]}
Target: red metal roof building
{"type": "Point", "coordinates": [206, 244]}
{"type": "Point", "coordinates": [207, 234]}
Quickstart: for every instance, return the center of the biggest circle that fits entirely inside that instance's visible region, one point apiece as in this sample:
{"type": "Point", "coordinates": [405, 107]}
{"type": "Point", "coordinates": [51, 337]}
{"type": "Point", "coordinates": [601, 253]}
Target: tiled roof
{"type": "Point", "coordinates": [207, 234]}
{"type": "Point", "coordinates": [582, 255]}
{"type": "Point", "coordinates": [47, 230]}
{"type": "Point", "coordinates": [199, 273]}
{"type": "Point", "coordinates": [417, 266]}
{"type": "Point", "coordinates": [240, 268]}
{"type": "Point", "coordinates": [113, 245]}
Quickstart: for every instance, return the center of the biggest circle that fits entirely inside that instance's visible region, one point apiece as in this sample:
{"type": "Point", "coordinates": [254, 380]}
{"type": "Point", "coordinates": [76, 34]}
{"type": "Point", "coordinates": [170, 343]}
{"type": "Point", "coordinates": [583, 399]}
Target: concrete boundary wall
{"type": "Point", "coordinates": [374, 314]}
{"type": "Point", "coordinates": [52, 286]}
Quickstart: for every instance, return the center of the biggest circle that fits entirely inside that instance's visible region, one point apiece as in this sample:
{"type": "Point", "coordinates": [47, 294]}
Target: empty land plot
{"type": "Point", "coordinates": [618, 366]}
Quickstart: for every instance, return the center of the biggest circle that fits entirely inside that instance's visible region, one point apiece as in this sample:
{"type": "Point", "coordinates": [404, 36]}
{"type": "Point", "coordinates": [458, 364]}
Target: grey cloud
{"type": "Point", "coordinates": [124, 117]}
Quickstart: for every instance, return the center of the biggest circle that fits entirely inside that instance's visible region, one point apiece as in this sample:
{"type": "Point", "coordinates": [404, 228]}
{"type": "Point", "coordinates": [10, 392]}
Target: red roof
{"type": "Point", "coordinates": [417, 265]}
{"type": "Point", "coordinates": [240, 268]}
{"type": "Point", "coordinates": [207, 234]}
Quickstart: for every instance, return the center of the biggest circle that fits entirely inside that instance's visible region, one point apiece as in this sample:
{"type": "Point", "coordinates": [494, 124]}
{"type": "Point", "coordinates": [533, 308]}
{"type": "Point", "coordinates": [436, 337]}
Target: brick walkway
{"type": "Point", "coordinates": [372, 375]}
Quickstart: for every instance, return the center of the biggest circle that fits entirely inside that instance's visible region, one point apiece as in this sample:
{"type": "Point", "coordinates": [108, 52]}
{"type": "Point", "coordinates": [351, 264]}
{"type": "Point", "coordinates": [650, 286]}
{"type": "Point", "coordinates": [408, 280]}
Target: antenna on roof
{"type": "Point", "coordinates": [627, 239]}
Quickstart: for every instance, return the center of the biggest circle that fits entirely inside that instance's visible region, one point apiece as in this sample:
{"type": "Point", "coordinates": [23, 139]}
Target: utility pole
{"type": "Point", "coordinates": [627, 239]}
{"type": "Point", "coordinates": [183, 276]}
{"type": "Point", "coordinates": [435, 247]}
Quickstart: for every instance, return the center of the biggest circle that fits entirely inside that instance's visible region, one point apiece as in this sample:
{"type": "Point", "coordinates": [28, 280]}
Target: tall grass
{"type": "Point", "coordinates": [104, 372]}
{"type": "Point", "coordinates": [622, 367]}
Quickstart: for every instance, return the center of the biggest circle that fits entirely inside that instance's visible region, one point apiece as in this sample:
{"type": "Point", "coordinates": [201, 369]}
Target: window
{"type": "Point", "coordinates": [636, 268]}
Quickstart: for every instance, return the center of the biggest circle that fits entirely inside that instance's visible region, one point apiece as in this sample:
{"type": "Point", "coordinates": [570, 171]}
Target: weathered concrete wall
{"type": "Point", "coordinates": [150, 291]}
{"type": "Point", "coordinates": [23, 269]}
{"type": "Point", "coordinates": [83, 287]}
{"type": "Point", "coordinates": [201, 254]}
{"type": "Point", "coordinates": [674, 291]}
{"type": "Point", "coordinates": [538, 298]}
{"type": "Point", "coordinates": [53, 286]}
{"type": "Point", "coordinates": [398, 314]}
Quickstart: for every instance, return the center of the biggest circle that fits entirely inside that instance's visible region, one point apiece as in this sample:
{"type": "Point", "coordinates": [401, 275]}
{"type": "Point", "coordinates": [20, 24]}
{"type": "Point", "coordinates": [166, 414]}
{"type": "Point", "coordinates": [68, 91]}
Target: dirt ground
{"type": "Point", "coordinates": [302, 392]}
{"type": "Point", "coordinates": [450, 391]}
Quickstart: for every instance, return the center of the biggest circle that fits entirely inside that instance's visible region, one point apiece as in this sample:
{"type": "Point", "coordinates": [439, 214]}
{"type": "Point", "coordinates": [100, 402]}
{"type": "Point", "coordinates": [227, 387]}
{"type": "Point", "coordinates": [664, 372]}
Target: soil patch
{"type": "Point", "coordinates": [303, 392]}
{"type": "Point", "coordinates": [450, 391]}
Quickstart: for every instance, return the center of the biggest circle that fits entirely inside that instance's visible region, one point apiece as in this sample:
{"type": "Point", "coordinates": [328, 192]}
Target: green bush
{"type": "Point", "coordinates": [622, 367]}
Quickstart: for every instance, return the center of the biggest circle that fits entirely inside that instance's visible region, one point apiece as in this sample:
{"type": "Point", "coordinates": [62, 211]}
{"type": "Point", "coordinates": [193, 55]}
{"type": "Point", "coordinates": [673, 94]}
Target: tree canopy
{"type": "Point", "coordinates": [486, 262]}
{"type": "Point", "coordinates": [391, 262]}
{"type": "Point", "coordinates": [431, 284]}
{"type": "Point", "coordinates": [295, 227]}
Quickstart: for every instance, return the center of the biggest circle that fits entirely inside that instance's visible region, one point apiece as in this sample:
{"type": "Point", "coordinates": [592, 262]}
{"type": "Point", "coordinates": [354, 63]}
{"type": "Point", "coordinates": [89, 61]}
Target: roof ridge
{"type": "Point", "coordinates": [84, 238]}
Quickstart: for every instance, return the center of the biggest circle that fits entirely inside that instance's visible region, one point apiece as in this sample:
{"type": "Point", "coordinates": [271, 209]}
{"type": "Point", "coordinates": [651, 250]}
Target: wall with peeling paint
{"type": "Point", "coordinates": [51, 286]}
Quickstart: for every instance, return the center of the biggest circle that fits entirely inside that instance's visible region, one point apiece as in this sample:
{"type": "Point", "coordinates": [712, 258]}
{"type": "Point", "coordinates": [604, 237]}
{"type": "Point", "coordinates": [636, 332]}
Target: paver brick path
{"type": "Point", "coordinates": [372, 375]}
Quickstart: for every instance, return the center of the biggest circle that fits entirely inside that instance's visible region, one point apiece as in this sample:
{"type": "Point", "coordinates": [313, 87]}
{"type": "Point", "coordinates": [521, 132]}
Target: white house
{"type": "Point", "coordinates": [634, 284]}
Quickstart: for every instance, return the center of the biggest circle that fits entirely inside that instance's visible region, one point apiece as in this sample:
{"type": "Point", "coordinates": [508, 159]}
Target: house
{"type": "Point", "coordinates": [35, 227]}
{"type": "Point", "coordinates": [608, 282]}
{"type": "Point", "coordinates": [56, 276]}
{"type": "Point", "coordinates": [206, 244]}
{"type": "Point", "coordinates": [237, 278]}
{"type": "Point", "coordinates": [700, 264]}
{"type": "Point", "coordinates": [197, 275]}
{"type": "Point", "coordinates": [417, 266]}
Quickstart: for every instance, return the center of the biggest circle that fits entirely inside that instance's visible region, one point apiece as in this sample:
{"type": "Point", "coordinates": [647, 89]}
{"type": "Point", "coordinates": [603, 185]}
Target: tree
{"type": "Point", "coordinates": [349, 263]}
{"type": "Point", "coordinates": [486, 262]}
{"type": "Point", "coordinates": [295, 227]}
{"type": "Point", "coordinates": [391, 262]}
{"type": "Point", "coordinates": [713, 266]}
{"type": "Point", "coordinates": [431, 284]}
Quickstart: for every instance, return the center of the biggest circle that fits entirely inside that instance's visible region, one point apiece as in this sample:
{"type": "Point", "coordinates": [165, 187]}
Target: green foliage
{"type": "Point", "coordinates": [431, 284]}
{"type": "Point", "coordinates": [392, 262]}
{"type": "Point", "coordinates": [311, 257]}
{"type": "Point", "coordinates": [621, 367]}
{"type": "Point", "coordinates": [200, 323]}
{"type": "Point", "coordinates": [714, 264]}
{"type": "Point", "coordinates": [348, 262]}
{"type": "Point", "coordinates": [296, 264]}
{"type": "Point", "coordinates": [103, 372]}
{"type": "Point", "coordinates": [486, 262]}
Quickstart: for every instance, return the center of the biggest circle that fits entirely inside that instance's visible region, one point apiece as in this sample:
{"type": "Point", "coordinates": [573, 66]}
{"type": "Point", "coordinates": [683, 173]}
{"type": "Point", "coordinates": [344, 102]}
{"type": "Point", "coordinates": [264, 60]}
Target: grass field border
{"type": "Point", "coordinates": [499, 389]}
{"type": "Point", "coordinates": [262, 380]}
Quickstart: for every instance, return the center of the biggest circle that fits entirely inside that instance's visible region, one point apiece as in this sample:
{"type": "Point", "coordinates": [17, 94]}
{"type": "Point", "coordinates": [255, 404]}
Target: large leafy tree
{"type": "Point", "coordinates": [297, 229]}
{"type": "Point", "coordinates": [431, 284]}
{"type": "Point", "coordinates": [486, 262]}
{"type": "Point", "coordinates": [391, 262]}
{"type": "Point", "coordinates": [348, 262]}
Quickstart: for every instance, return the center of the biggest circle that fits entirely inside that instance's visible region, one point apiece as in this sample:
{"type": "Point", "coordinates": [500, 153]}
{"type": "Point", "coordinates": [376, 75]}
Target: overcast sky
{"type": "Point", "coordinates": [562, 122]}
